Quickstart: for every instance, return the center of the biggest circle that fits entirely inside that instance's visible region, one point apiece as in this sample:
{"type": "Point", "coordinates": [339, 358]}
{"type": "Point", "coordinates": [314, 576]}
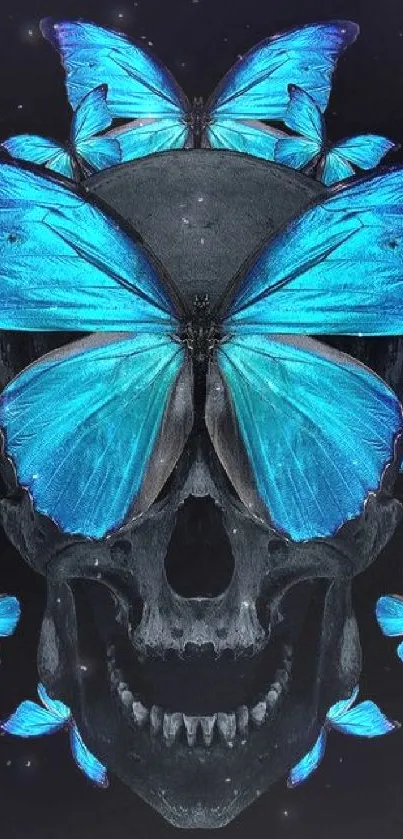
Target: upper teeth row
{"type": "Point", "coordinates": [170, 725]}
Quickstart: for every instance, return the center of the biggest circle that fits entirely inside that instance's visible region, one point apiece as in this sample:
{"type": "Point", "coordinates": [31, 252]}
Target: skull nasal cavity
{"type": "Point", "coordinates": [199, 561]}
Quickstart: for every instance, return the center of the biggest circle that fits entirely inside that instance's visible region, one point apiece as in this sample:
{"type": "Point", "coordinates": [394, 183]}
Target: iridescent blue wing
{"type": "Point", "coordinates": [339, 708]}
{"type": "Point", "coordinates": [55, 706]}
{"type": "Point", "coordinates": [148, 136]}
{"type": "Point", "coordinates": [93, 277]}
{"type": "Point", "coordinates": [364, 151]}
{"type": "Point", "coordinates": [335, 168]}
{"type": "Point", "coordinates": [91, 117]}
{"type": "Point", "coordinates": [335, 269]}
{"type": "Point", "coordinates": [10, 612]}
{"type": "Point", "coordinates": [309, 763]}
{"type": "Point", "coordinates": [399, 651]}
{"type": "Point", "coordinates": [257, 86]}
{"type": "Point", "coordinates": [389, 614]}
{"type": "Point", "coordinates": [138, 85]}
{"type": "Point", "coordinates": [305, 118]}
{"type": "Point", "coordinates": [85, 760]}
{"type": "Point", "coordinates": [248, 136]}
{"type": "Point", "coordinates": [95, 428]}
{"type": "Point", "coordinates": [313, 455]}
{"type": "Point", "coordinates": [30, 720]}
{"type": "Point", "coordinates": [365, 720]}
{"type": "Point", "coordinates": [41, 151]}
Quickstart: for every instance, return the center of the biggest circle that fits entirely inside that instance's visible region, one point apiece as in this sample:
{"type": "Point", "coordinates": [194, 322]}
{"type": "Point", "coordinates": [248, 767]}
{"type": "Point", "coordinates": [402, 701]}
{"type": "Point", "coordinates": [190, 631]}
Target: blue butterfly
{"type": "Point", "coordinates": [33, 720]}
{"type": "Point", "coordinates": [254, 89]}
{"type": "Point", "coordinates": [312, 153]}
{"type": "Point", "coordinates": [95, 428]}
{"type": "Point", "coordinates": [365, 720]}
{"type": "Point", "coordinates": [389, 614]}
{"type": "Point", "coordinates": [10, 613]}
{"type": "Point", "coordinates": [86, 152]}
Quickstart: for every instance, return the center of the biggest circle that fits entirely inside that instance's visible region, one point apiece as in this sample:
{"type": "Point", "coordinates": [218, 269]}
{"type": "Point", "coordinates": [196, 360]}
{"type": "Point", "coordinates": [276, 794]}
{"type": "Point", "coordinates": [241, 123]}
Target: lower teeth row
{"type": "Point", "coordinates": [171, 726]}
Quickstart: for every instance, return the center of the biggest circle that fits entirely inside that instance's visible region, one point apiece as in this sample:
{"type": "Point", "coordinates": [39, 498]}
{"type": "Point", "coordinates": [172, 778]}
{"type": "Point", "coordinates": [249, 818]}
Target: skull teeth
{"type": "Point", "coordinates": [201, 730]}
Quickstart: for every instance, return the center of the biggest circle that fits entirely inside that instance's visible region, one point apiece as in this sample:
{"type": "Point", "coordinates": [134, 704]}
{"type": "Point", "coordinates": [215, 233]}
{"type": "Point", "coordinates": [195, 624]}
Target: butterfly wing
{"type": "Point", "coordinates": [30, 720]}
{"type": "Point", "coordinates": [10, 612]}
{"type": "Point", "coordinates": [364, 150]}
{"type": "Point", "coordinates": [335, 168]}
{"type": "Point", "coordinates": [335, 269]}
{"type": "Point", "coordinates": [55, 706]}
{"type": "Point", "coordinates": [257, 86]}
{"type": "Point", "coordinates": [95, 428]}
{"type": "Point", "coordinates": [41, 151]}
{"type": "Point", "coordinates": [138, 85]}
{"type": "Point", "coordinates": [399, 651]}
{"type": "Point", "coordinates": [91, 117]}
{"type": "Point", "coordinates": [305, 118]}
{"type": "Point", "coordinates": [147, 136]}
{"type": "Point", "coordinates": [247, 136]}
{"type": "Point", "coordinates": [309, 763]}
{"type": "Point", "coordinates": [339, 708]}
{"type": "Point", "coordinates": [93, 275]}
{"type": "Point", "coordinates": [389, 614]}
{"type": "Point", "coordinates": [365, 720]}
{"type": "Point", "coordinates": [314, 457]}
{"type": "Point", "coordinates": [85, 760]}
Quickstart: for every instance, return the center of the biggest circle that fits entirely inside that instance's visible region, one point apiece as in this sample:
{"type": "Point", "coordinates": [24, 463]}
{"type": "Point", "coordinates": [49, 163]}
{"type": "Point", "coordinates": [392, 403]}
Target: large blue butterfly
{"type": "Point", "coordinates": [311, 152]}
{"type": "Point", "coordinates": [95, 428]}
{"type": "Point", "coordinates": [86, 152]}
{"type": "Point", "coordinates": [32, 720]}
{"type": "Point", "coordinates": [255, 88]}
{"type": "Point", "coordinates": [389, 614]}
{"type": "Point", "coordinates": [365, 720]}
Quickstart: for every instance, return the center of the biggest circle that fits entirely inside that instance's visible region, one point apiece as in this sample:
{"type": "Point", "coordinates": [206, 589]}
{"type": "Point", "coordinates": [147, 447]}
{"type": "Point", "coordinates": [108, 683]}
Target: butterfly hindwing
{"type": "Point", "coordinates": [55, 706]}
{"type": "Point", "coordinates": [335, 269]}
{"type": "Point", "coordinates": [41, 151]}
{"type": "Point", "coordinates": [339, 708]}
{"type": "Point", "coordinates": [92, 117]}
{"type": "Point", "coordinates": [314, 456]}
{"type": "Point", "coordinates": [309, 763]}
{"type": "Point", "coordinates": [93, 275]}
{"type": "Point", "coordinates": [82, 425]}
{"type": "Point", "coordinates": [85, 760]}
{"type": "Point", "coordinates": [305, 118]}
{"type": "Point", "coordinates": [147, 136]}
{"type": "Point", "coordinates": [247, 136]}
{"type": "Point", "coordinates": [10, 612]}
{"type": "Point", "coordinates": [365, 720]}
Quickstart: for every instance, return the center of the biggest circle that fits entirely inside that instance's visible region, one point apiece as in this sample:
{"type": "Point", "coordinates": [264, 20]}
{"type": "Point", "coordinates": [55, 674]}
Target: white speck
{"type": "Point", "coordinates": [202, 241]}
{"type": "Point", "coordinates": [120, 15]}
{"type": "Point", "coordinates": [228, 780]}
{"type": "Point", "coordinates": [183, 64]}
{"type": "Point", "coordinates": [35, 476]}
{"type": "Point", "coordinates": [8, 763]}
{"type": "Point", "coordinates": [245, 604]}
{"type": "Point", "coordinates": [150, 43]}
{"type": "Point", "coordinates": [200, 199]}
{"type": "Point", "coordinates": [58, 600]}
{"type": "Point", "coordinates": [20, 107]}
{"type": "Point", "coordinates": [30, 32]}
{"type": "Point", "coordinates": [360, 334]}
{"type": "Point", "coordinates": [185, 220]}
{"type": "Point", "coordinates": [234, 530]}
{"type": "Point", "coordinates": [28, 763]}
{"type": "Point", "coordinates": [83, 667]}
{"type": "Point", "coordinates": [218, 388]}
{"type": "Point", "coordinates": [285, 812]}
{"type": "Point", "coordinates": [96, 563]}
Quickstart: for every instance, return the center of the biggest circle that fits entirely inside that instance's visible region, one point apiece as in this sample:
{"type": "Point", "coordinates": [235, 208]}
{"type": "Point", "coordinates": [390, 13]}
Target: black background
{"type": "Point", "coordinates": [357, 792]}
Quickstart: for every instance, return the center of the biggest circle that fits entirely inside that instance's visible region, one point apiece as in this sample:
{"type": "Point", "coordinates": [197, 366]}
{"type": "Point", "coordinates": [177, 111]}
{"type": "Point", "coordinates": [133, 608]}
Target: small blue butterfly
{"type": "Point", "coordinates": [33, 720]}
{"type": "Point", "coordinates": [95, 428]}
{"type": "Point", "coordinates": [389, 614]}
{"type": "Point", "coordinates": [86, 151]}
{"type": "Point", "coordinates": [255, 89]}
{"type": "Point", "coordinates": [365, 720]}
{"type": "Point", "coordinates": [10, 612]}
{"type": "Point", "coordinates": [311, 152]}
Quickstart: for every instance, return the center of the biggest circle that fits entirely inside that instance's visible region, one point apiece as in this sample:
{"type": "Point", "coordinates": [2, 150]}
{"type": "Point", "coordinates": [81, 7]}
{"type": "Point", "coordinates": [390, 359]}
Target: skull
{"type": "Point", "coordinates": [199, 650]}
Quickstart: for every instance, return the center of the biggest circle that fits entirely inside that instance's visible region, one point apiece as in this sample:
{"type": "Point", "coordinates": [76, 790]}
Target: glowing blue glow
{"type": "Point", "coordinates": [33, 720]}
{"type": "Point", "coordinates": [364, 720]}
{"type": "Point", "coordinates": [10, 612]}
{"type": "Point", "coordinates": [91, 117]}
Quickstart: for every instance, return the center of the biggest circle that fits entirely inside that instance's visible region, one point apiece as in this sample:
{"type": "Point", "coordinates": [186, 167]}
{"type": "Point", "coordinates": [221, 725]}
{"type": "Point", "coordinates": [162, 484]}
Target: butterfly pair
{"type": "Point", "coordinates": [87, 151]}
{"type": "Point", "coordinates": [95, 428]}
{"type": "Point", "coordinates": [311, 152]}
{"type": "Point", "coordinates": [141, 89]}
{"type": "Point", "coordinates": [32, 720]}
{"type": "Point", "coordinates": [365, 720]}
{"type": "Point", "coordinates": [389, 614]}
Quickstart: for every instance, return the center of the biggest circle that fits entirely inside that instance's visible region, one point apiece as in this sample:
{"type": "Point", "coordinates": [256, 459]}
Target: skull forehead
{"type": "Point", "coordinates": [203, 212]}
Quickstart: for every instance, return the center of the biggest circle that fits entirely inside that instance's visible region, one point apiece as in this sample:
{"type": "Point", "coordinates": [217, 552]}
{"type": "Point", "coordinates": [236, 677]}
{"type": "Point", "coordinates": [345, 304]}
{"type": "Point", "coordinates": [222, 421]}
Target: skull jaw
{"type": "Point", "coordinates": [208, 787]}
